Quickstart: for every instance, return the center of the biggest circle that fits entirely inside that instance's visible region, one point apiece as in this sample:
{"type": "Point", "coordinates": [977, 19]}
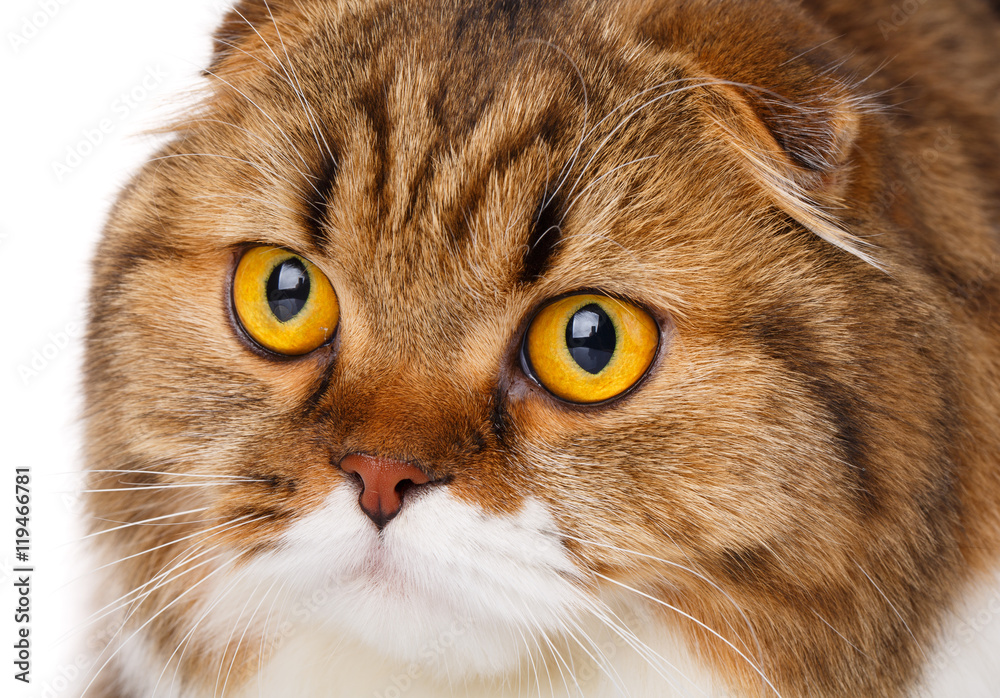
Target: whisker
{"type": "Point", "coordinates": [262, 170]}
{"type": "Point", "coordinates": [132, 603]}
{"type": "Point", "coordinates": [556, 655]}
{"type": "Point", "coordinates": [700, 624]}
{"type": "Point", "coordinates": [568, 167]}
{"type": "Point", "coordinates": [239, 642]}
{"type": "Point", "coordinates": [683, 568]}
{"type": "Point", "coordinates": [179, 523]}
{"type": "Point", "coordinates": [121, 513]}
{"type": "Point", "coordinates": [163, 575]}
{"type": "Point", "coordinates": [263, 640]}
{"type": "Point", "coordinates": [256, 59]}
{"type": "Point", "coordinates": [136, 523]}
{"type": "Point", "coordinates": [628, 117]}
{"type": "Point", "coordinates": [242, 198]}
{"type": "Point", "coordinates": [267, 116]}
{"type": "Point", "coordinates": [167, 472]}
{"type": "Point", "coordinates": [164, 578]}
{"type": "Point", "coordinates": [225, 645]}
{"type": "Point", "coordinates": [810, 50]}
{"type": "Point", "coordinates": [183, 644]}
{"type": "Point", "coordinates": [109, 608]}
{"type": "Point", "coordinates": [527, 649]}
{"type": "Point", "coordinates": [653, 658]}
{"type": "Point", "coordinates": [150, 620]}
{"type": "Point", "coordinates": [602, 664]}
{"type": "Point", "coordinates": [901, 620]}
{"type": "Point", "coordinates": [270, 148]}
{"type": "Point", "coordinates": [172, 542]}
{"type": "Point", "coordinates": [598, 179]}
{"type": "Point", "coordinates": [295, 88]}
{"type": "Point", "coordinates": [306, 106]}
{"type": "Point", "coordinates": [839, 633]}
{"type": "Point", "coordinates": [252, 164]}
{"type": "Point", "coordinates": [138, 487]}
{"type": "Point", "coordinates": [531, 662]}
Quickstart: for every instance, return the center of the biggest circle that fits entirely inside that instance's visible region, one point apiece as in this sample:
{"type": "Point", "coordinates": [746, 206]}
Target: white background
{"type": "Point", "coordinates": [80, 80]}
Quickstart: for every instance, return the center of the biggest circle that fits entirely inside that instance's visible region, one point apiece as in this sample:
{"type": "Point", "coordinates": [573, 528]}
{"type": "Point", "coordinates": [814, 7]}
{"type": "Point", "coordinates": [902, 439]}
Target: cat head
{"type": "Point", "coordinates": [332, 341]}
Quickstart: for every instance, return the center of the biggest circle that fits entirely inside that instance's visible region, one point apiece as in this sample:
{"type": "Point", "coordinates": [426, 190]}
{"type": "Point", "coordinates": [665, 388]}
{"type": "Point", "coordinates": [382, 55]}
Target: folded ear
{"type": "Point", "coordinates": [243, 20]}
{"type": "Point", "coordinates": [771, 92]}
{"type": "Point", "coordinates": [798, 152]}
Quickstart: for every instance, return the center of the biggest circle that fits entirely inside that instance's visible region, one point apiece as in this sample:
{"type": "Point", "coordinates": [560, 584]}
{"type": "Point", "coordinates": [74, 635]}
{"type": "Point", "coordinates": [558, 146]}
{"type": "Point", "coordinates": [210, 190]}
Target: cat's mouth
{"type": "Point", "coordinates": [382, 570]}
{"type": "Point", "coordinates": [360, 549]}
{"type": "Point", "coordinates": [442, 567]}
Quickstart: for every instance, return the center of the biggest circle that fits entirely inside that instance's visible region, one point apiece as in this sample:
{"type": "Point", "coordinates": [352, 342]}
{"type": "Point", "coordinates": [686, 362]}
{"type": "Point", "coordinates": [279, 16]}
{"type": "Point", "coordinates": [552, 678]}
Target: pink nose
{"type": "Point", "coordinates": [384, 482]}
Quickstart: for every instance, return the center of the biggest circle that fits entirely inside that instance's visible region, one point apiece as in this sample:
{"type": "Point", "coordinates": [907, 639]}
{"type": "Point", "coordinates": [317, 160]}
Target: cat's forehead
{"type": "Point", "coordinates": [450, 161]}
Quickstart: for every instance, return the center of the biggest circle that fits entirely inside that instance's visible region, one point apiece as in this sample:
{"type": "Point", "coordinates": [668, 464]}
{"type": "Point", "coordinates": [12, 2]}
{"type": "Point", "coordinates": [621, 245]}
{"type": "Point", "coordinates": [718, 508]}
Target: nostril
{"type": "Point", "coordinates": [384, 483]}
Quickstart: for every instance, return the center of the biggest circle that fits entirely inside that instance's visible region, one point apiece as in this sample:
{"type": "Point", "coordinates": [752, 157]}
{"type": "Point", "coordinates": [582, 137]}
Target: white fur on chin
{"type": "Point", "coordinates": [450, 600]}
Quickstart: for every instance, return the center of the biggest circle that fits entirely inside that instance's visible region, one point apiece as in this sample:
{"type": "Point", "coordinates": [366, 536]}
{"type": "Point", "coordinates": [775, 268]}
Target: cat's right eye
{"type": "Point", "coordinates": [587, 348]}
{"type": "Point", "coordinates": [283, 301]}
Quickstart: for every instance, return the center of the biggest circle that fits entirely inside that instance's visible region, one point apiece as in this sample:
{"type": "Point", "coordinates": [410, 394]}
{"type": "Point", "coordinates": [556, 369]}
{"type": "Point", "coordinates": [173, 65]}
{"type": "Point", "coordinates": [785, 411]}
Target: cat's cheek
{"type": "Point", "coordinates": [443, 572]}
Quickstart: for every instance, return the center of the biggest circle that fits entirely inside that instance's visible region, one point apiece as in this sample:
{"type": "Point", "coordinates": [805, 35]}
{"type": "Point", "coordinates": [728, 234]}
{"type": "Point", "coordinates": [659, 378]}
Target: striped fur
{"type": "Point", "coordinates": [800, 497]}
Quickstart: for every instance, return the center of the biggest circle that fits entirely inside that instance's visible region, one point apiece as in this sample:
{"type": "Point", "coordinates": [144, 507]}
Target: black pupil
{"type": "Point", "coordinates": [590, 336]}
{"type": "Point", "coordinates": [287, 289]}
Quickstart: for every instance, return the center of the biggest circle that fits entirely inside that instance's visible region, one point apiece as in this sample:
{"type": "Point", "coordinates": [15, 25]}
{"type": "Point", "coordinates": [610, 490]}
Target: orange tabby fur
{"type": "Point", "coordinates": [809, 208]}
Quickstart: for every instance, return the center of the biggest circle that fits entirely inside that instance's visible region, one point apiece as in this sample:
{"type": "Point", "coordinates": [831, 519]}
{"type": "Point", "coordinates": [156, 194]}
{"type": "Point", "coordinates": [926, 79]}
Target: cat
{"type": "Point", "coordinates": [562, 348]}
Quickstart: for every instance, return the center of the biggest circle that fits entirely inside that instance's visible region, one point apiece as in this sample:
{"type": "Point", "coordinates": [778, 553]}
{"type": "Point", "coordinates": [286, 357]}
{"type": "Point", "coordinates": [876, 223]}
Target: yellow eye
{"type": "Point", "coordinates": [283, 301]}
{"type": "Point", "coordinates": [588, 348]}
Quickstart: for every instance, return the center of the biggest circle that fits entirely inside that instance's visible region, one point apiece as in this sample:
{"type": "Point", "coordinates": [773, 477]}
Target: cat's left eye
{"type": "Point", "coordinates": [283, 301]}
{"type": "Point", "coordinates": [587, 348]}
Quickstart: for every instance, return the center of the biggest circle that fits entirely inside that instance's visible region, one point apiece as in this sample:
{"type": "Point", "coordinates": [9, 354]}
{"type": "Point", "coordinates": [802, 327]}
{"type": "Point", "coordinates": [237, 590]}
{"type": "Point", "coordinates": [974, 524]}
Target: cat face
{"type": "Point", "coordinates": [425, 190]}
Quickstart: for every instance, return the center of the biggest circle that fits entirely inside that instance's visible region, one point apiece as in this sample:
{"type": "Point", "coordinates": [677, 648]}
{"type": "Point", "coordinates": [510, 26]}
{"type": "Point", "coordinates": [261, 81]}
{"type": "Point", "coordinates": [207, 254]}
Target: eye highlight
{"type": "Point", "coordinates": [283, 301]}
{"type": "Point", "coordinates": [588, 348]}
